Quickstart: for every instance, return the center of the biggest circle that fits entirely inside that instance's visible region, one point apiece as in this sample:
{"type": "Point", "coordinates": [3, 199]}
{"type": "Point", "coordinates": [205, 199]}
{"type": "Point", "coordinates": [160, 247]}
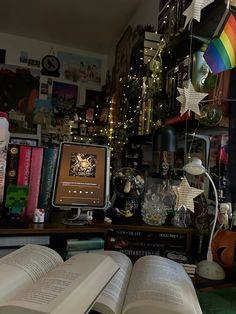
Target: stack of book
{"type": "Point", "coordinates": [190, 269]}
{"type": "Point", "coordinates": [187, 263]}
{"type": "Point", "coordinates": [136, 244]}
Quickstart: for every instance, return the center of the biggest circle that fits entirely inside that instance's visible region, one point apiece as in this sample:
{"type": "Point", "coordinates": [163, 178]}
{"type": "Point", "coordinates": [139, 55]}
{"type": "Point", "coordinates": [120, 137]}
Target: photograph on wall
{"type": "Point", "coordinates": [19, 88]}
{"type": "Point", "coordinates": [79, 68]}
{"type": "Point", "coordinates": [43, 113]}
{"type": "Point", "coordinates": [64, 98]}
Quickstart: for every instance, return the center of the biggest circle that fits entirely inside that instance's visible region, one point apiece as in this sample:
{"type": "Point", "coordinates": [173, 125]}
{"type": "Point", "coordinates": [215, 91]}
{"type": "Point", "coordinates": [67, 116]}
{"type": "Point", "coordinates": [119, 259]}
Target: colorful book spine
{"type": "Point", "coordinates": [3, 161]}
{"type": "Point", "coordinates": [34, 180]}
{"type": "Point", "coordinates": [24, 165]}
{"type": "Point", "coordinates": [48, 170]}
{"type": "Point", "coordinates": [12, 164]}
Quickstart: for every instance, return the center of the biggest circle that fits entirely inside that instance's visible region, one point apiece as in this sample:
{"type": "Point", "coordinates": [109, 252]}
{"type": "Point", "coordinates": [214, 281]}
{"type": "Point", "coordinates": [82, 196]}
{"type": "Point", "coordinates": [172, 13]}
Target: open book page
{"type": "Point", "coordinates": [110, 301]}
{"type": "Point", "coordinates": [70, 287]}
{"type": "Point", "coordinates": [24, 266]}
{"type": "Point", "coordinates": [159, 285]}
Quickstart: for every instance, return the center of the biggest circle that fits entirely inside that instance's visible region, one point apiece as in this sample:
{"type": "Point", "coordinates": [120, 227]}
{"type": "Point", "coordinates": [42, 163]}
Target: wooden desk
{"type": "Point", "coordinates": [55, 226]}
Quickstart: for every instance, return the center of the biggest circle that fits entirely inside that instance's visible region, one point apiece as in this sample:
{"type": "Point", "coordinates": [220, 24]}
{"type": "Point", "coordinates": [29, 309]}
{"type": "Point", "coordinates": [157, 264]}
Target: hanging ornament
{"type": "Point", "coordinates": [194, 10]}
{"type": "Point", "coordinates": [185, 195]}
{"type": "Point", "coordinates": [189, 98]}
{"type": "Point", "coordinates": [210, 115]}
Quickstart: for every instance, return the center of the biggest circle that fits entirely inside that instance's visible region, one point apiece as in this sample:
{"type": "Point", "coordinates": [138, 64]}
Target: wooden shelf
{"type": "Point", "coordinates": [56, 227]}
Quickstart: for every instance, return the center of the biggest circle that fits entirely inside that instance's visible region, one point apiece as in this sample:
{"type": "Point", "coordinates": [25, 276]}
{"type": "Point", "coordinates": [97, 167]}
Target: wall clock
{"type": "Point", "coordinates": [50, 66]}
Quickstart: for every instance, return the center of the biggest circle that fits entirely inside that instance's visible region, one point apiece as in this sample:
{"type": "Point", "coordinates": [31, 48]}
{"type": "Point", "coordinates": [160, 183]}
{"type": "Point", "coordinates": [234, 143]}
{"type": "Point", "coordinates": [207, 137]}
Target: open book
{"type": "Point", "coordinates": [35, 280]}
{"type": "Point", "coordinates": [153, 285]}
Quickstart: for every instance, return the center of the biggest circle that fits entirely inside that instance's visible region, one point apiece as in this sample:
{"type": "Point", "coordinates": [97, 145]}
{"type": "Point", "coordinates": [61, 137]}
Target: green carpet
{"type": "Point", "coordinates": [222, 301]}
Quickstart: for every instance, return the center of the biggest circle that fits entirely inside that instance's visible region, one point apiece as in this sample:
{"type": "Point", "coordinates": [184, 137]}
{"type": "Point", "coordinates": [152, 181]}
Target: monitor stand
{"type": "Point", "coordinates": [77, 216]}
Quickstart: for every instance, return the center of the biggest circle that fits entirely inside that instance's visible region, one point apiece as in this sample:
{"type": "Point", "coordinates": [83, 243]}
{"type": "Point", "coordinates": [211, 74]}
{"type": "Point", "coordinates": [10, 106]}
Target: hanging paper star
{"type": "Point", "coordinates": [185, 195]}
{"type": "Point", "coordinates": [189, 98]}
{"type": "Point", "coordinates": [194, 10]}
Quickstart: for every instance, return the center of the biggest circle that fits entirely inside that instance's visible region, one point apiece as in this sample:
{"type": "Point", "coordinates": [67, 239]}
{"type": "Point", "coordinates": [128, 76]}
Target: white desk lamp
{"type": "Point", "coordinates": [207, 268]}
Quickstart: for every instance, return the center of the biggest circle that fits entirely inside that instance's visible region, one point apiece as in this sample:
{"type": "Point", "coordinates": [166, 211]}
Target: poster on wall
{"type": "Point", "coordinates": [79, 68]}
{"type": "Point", "coordinates": [19, 89]}
{"type": "Point", "coordinates": [64, 98]}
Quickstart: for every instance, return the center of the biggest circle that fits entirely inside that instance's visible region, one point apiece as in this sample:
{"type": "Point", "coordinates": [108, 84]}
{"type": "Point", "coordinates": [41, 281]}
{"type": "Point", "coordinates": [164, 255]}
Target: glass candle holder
{"type": "Point", "coordinates": [154, 213]}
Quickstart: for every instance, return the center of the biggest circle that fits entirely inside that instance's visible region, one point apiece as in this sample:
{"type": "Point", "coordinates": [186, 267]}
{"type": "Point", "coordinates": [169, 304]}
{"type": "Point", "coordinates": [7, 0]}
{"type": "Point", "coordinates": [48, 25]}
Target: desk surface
{"type": "Point", "coordinates": [55, 226]}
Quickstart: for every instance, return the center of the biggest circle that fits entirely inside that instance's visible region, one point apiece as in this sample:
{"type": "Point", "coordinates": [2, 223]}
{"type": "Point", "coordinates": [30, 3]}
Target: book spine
{"type": "Point", "coordinates": [148, 235]}
{"type": "Point", "coordinates": [24, 165]}
{"type": "Point", "coordinates": [82, 245]}
{"type": "Point", "coordinates": [34, 180]}
{"type": "Point", "coordinates": [117, 243]}
{"type": "Point", "coordinates": [12, 164]}
{"type": "Point", "coordinates": [129, 243]}
{"type": "Point", "coordinates": [3, 162]}
{"type": "Point", "coordinates": [139, 253]}
{"type": "Point", "coordinates": [48, 170]}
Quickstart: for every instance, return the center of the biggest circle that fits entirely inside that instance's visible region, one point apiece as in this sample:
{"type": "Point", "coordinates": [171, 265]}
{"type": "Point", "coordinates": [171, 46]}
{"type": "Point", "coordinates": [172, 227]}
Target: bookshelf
{"type": "Point", "coordinates": [97, 226]}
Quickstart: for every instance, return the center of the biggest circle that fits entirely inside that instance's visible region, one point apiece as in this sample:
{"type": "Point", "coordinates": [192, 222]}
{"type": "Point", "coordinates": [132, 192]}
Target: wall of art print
{"type": "Point", "coordinates": [79, 68]}
{"type": "Point", "coordinates": [19, 89]}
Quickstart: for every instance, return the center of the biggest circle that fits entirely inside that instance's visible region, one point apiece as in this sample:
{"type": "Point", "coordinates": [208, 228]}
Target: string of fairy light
{"type": "Point", "coordinates": [127, 113]}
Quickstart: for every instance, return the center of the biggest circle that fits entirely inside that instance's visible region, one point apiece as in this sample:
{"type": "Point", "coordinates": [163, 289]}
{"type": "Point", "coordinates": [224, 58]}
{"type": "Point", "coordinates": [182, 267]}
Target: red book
{"type": "Point", "coordinates": [34, 180]}
{"type": "Point", "coordinates": [24, 165]}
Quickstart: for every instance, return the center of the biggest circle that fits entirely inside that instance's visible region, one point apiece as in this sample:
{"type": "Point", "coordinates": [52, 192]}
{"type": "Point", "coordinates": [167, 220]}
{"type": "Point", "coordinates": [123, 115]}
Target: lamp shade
{"type": "Point", "coordinates": [207, 268]}
{"type": "Point", "coordinates": [164, 139]}
{"type": "Point", "coordinates": [195, 167]}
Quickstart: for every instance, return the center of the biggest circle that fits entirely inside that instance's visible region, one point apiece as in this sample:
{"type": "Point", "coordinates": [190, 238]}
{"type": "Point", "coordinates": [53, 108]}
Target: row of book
{"type": "Point", "coordinates": [32, 167]}
{"type": "Point", "coordinates": [136, 244]}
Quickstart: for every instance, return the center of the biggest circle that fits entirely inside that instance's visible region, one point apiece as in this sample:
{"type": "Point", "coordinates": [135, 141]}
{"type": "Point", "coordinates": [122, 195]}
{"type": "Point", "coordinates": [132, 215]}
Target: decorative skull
{"type": "Point", "coordinates": [165, 167]}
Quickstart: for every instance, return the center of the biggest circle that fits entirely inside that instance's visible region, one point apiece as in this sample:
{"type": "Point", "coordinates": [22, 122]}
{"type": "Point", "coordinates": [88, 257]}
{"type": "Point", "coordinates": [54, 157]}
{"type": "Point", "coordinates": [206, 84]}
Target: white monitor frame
{"type": "Point", "coordinates": [64, 184]}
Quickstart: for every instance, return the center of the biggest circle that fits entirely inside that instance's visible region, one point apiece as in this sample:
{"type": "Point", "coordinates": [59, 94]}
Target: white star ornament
{"type": "Point", "coordinates": [189, 99]}
{"type": "Point", "coordinates": [185, 195]}
{"type": "Point", "coordinates": [194, 10]}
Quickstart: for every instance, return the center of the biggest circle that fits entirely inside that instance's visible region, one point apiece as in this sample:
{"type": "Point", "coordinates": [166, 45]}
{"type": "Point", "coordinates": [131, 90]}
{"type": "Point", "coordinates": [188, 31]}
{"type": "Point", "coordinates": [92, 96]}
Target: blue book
{"type": "Point", "coordinates": [48, 170]}
{"type": "Point", "coordinates": [93, 243]}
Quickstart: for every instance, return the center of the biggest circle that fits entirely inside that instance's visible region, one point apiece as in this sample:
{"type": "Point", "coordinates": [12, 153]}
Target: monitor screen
{"type": "Point", "coordinates": [82, 176]}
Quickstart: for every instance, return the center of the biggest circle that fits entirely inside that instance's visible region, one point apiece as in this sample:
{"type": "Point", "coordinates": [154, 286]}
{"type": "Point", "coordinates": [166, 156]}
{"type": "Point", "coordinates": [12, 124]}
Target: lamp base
{"type": "Point", "coordinates": [210, 270]}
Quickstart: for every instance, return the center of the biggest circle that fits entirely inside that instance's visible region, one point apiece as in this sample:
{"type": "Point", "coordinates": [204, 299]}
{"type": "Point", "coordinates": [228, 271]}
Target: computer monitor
{"type": "Point", "coordinates": [82, 180]}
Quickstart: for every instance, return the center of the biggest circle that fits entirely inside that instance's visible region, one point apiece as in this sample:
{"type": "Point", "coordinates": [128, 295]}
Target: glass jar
{"type": "Point", "coordinates": [154, 213]}
{"type": "Point", "coordinates": [153, 209]}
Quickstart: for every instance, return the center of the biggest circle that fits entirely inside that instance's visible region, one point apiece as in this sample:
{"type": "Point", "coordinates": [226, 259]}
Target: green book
{"type": "Point", "coordinates": [84, 244]}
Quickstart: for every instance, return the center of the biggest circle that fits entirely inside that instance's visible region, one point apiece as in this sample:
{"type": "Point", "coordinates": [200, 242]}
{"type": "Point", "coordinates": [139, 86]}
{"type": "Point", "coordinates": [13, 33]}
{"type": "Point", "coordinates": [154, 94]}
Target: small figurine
{"type": "Point", "coordinates": [223, 216]}
{"type": "Point", "coordinates": [39, 214]}
{"type": "Point", "coordinates": [16, 201]}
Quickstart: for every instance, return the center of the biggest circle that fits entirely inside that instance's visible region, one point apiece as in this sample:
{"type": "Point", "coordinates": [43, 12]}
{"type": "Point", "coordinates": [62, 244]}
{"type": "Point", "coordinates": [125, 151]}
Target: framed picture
{"type": "Point", "coordinates": [80, 68]}
{"type": "Point", "coordinates": [23, 141]}
{"type": "Point", "coordinates": [27, 139]}
{"type": "Point", "coordinates": [64, 98]}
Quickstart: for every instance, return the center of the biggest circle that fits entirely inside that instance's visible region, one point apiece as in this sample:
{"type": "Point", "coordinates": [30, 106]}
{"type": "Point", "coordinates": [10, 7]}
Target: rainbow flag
{"type": "Point", "coordinates": [220, 54]}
